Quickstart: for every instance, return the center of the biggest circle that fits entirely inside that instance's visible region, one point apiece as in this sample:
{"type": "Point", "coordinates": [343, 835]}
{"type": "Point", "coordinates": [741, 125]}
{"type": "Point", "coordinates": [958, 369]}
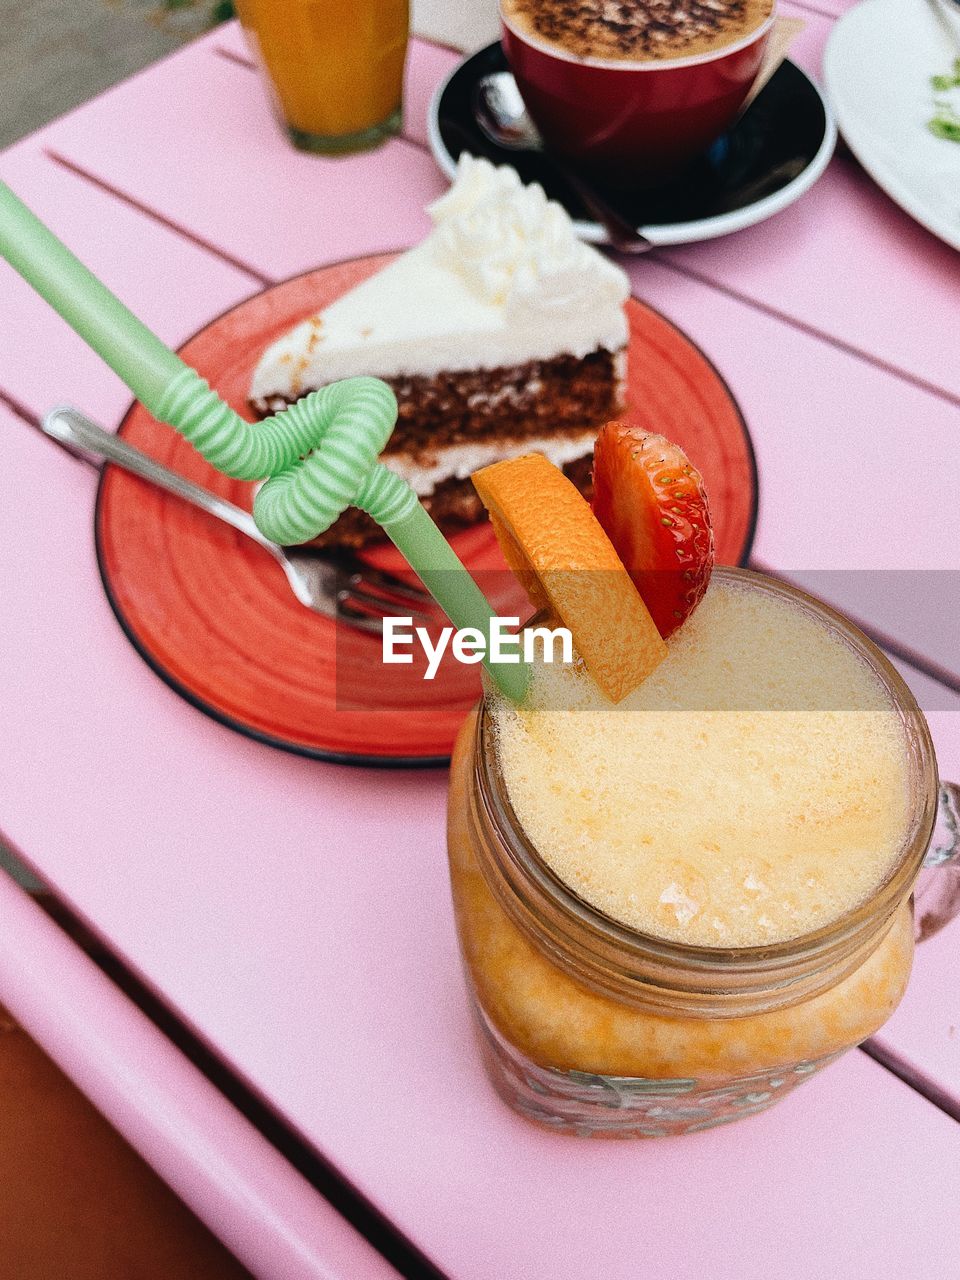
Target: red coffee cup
{"type": "Point", "coordinates": [633, 121]}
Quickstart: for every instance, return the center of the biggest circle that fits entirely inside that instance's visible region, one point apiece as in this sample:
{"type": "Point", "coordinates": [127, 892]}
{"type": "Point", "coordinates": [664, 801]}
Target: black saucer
{"type": "Point", "coordinates": [773, 154]}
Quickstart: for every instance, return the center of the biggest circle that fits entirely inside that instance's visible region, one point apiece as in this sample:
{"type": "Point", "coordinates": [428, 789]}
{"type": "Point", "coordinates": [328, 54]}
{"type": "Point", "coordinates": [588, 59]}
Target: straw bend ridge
{"type": "Point", "coordinates": [320, 455]}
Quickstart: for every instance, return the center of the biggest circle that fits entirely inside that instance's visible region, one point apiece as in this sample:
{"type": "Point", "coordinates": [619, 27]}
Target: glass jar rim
{"type": "Point", "coordinates": [768, 974]}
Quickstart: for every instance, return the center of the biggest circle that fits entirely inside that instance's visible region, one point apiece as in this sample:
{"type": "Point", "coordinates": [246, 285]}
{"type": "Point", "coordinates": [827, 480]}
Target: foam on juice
{"type": "Point", "coordinates": [754, 788]}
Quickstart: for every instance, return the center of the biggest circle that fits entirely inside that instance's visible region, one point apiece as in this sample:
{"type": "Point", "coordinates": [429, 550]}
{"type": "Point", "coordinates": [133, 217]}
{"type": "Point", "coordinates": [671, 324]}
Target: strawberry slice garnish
{"type": "Point", "coordinates": [650, 500]}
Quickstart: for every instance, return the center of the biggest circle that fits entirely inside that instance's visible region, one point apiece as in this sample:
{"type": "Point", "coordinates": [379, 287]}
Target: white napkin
{"type": "Point", "coordinates": [462, 24]}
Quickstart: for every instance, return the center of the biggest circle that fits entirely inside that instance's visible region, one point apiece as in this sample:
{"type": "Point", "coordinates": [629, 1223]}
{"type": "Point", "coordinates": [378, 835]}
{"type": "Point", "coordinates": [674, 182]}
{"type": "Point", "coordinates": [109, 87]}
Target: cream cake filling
{"type": "Point", "coordinates": [501, 280]}
{"type": "Point", "coordinates": [459, 461]}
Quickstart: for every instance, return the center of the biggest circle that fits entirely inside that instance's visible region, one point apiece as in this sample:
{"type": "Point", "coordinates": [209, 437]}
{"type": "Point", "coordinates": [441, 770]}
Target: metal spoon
{"type": "Point", "coordinates": [502, 117]}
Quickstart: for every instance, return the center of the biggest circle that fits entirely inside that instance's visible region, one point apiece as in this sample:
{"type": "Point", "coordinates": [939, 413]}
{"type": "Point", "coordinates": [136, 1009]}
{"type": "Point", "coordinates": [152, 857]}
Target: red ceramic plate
{"type": "Point", "coordinates": [213, 615]}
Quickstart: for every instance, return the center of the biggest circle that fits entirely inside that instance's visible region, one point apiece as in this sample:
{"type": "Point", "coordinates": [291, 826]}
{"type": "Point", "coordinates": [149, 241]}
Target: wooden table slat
{"type": "Point", "coordinates": [282, 211]}
{"type": "Point", "coordinates": [845, 261]}
{"type": "Point", "coordinates": [219, 167]}
{"type": "Point", "coordinates": [245, 1190]}
{"type": "Point", "coordinates": [312, 900]}
{"type": "Point", "coordinates": [174, 286]}
{"type": "Point", "coordinates": [321, 891]}
{"type": "Point", "coordinates": [857, 468]}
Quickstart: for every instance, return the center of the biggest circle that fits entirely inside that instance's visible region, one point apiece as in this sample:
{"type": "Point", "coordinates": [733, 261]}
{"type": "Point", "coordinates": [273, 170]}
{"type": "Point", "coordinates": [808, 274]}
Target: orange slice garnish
{"type": "Point", "coordinates": [557, 548]}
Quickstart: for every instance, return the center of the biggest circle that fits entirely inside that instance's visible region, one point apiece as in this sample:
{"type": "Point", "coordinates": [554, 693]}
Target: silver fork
{"type": "Point", "coordinates": [336, 584]}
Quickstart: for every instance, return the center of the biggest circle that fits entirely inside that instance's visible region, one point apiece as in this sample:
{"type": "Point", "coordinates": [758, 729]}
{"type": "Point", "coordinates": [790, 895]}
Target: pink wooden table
{"type": "Point", "coordinates": [294, 916]}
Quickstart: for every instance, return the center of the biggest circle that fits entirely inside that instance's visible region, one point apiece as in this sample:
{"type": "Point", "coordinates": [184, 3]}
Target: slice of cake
{"type": "Point", "coordinates": [501, 334]}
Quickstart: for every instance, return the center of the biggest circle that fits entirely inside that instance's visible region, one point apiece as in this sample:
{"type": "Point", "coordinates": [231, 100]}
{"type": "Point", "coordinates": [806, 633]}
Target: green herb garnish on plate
{"type": "Point", "coordinates": [945, 122]}
{"type": "Point", "coordinates": [941, 84]}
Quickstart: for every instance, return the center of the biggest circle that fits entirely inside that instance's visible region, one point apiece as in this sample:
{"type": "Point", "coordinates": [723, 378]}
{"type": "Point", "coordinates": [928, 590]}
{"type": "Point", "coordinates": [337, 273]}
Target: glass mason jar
{"type": "Point", "coordinates": [592, 1028]}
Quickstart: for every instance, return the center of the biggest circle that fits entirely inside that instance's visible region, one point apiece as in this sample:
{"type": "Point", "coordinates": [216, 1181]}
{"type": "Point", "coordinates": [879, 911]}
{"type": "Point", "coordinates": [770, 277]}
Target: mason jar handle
{"type": "Point", "coordinates": [936, 899]}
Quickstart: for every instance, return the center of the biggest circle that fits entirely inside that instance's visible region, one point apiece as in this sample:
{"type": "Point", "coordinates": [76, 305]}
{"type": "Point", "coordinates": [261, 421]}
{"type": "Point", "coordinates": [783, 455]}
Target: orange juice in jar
{"type": "Point", "coordinates": [336, 67]}
{"type": "Point", "coordinates": [673, 910]}
{"type": "Point", "coordinates": [681, 866]}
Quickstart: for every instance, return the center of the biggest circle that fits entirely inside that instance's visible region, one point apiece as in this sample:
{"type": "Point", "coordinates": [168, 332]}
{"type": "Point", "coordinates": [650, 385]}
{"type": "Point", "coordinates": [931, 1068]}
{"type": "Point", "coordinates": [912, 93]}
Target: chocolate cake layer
{"type": "Point", "coordinates": [453, 504]}
{"type": "Point", "coordinates": [525, 400]}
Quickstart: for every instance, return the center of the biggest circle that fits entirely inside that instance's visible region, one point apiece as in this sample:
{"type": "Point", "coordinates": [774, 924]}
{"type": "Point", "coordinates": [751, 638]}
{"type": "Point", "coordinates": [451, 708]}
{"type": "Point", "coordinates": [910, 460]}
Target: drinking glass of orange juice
{"type": "Point", "coordinates": [336, 67]}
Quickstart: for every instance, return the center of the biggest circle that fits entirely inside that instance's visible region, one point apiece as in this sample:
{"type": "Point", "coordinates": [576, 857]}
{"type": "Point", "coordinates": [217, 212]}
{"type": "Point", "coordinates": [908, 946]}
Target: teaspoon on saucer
{"type": "Point", "coordinates": [502, 117]}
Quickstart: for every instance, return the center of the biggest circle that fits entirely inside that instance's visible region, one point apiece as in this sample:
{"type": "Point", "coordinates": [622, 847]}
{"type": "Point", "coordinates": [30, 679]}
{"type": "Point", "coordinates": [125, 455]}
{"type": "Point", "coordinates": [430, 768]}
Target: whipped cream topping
{"type": "Point", "coordinates": [515, 248]}
{"type": "Point", "coordinates": [500, 280]}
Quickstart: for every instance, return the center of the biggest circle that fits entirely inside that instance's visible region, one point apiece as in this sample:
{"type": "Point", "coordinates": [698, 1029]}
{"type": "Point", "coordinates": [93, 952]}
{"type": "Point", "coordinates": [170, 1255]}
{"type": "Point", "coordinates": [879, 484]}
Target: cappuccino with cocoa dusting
{"type": "Point", "coordinates": [637, 30]}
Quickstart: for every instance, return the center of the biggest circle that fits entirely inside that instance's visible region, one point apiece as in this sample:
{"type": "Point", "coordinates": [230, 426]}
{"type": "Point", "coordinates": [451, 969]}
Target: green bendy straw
{"type": "Point", "coordinates": [318, 457]}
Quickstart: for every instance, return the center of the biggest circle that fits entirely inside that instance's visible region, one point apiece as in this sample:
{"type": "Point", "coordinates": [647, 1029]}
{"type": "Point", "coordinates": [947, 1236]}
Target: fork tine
{"type": "Point", "coordinates": [358, 618]}
{"type": "Point", "coordinates": [358, 593]}
{"type": "Point", "coordinates": [348, 565]}
{"type": "Point", "coordinates": [384, 590]}
{"type": "Point", "coordinates": [389, 587]}
{"type": "Point", "coordinates": [382, 579]}
{"type": "Point", "coordinates": [370, 600]}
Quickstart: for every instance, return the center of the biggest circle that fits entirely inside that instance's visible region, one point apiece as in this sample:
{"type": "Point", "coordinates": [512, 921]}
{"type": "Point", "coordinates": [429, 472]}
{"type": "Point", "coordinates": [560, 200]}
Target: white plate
{"type": "Point", "coordinates": [877, 67]}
